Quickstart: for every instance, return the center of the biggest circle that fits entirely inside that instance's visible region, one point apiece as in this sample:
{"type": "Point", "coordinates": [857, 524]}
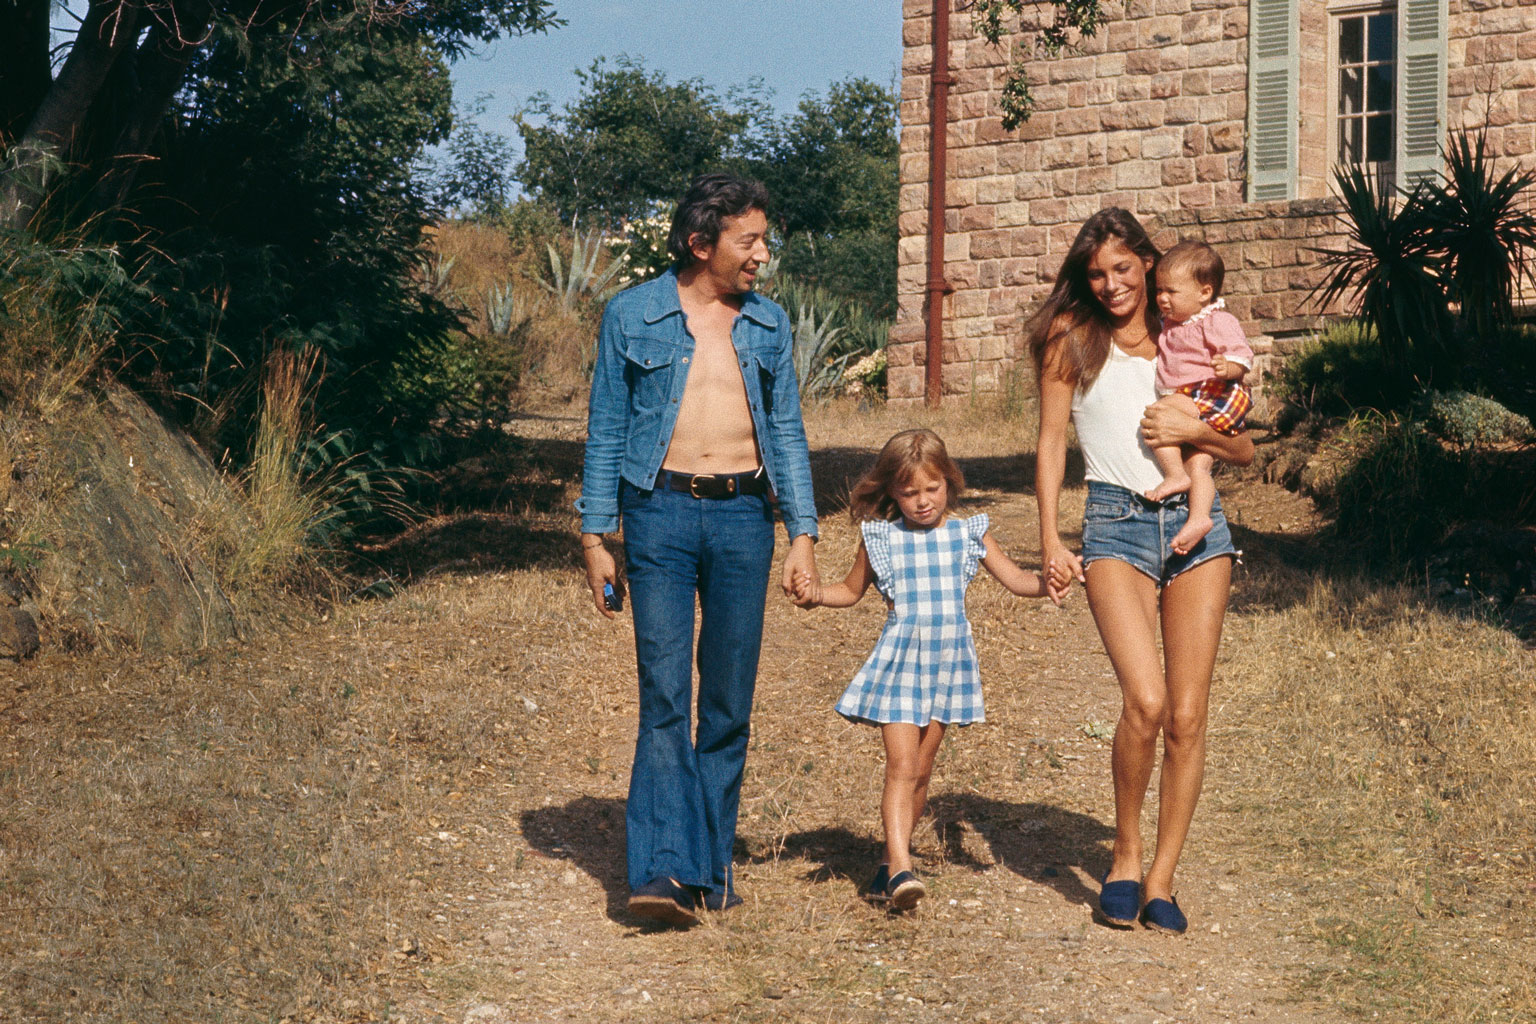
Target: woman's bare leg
{"type": "Point", "coordinates": [1193, 607]}
{"type": "Point", "coordinates": [1124, 606]}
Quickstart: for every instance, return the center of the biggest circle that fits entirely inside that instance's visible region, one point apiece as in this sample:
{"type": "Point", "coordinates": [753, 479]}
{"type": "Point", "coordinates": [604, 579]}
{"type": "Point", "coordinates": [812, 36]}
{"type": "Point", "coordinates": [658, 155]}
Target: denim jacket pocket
{"type": "Point", "coordinates": [648, 365]}
{"type": "Point", "coordinates": [767, 372]}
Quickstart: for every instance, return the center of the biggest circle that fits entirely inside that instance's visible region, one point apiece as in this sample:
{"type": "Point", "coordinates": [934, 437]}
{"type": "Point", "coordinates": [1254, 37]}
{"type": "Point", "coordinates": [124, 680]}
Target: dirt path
{"type": "Point", "coordinates": [414, 812]}
{"type": "Point", "coordinates": [1019, 830]}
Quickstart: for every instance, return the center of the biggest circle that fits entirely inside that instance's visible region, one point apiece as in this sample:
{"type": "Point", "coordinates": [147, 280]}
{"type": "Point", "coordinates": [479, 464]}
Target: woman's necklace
{"type": "Point", "coordinates": [1120, 341]}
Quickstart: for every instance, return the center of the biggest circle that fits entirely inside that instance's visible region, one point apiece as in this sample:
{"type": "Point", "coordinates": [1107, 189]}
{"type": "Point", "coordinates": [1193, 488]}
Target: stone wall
{"type": "Point", "coordinates": [1149, 115]}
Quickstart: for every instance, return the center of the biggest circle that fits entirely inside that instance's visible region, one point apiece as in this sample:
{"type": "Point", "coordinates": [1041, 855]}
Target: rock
{"type": "Point", "coordinates": [18, 634]}
{"type": "Point", "coordinates": [127, 498]}
{"type": "Point", "coordinates": [483, 1014]}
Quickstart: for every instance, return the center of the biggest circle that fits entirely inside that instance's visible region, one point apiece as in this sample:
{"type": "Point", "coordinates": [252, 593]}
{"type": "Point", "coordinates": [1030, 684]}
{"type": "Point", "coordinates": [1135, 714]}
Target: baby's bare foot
{"type": "Point", "coordinates": [1195, 529]}
{"type": "Point", "coordinates": [1173, 483]}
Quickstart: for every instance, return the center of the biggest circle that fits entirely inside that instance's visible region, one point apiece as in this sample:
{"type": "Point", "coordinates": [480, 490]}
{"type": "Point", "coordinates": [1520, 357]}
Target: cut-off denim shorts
{"type": "Point", "coordinates": [1122, 525]}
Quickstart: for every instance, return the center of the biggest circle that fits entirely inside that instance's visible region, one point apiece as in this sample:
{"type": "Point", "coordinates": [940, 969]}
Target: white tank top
{"type": "Point", "coordinates": [1108, 421]}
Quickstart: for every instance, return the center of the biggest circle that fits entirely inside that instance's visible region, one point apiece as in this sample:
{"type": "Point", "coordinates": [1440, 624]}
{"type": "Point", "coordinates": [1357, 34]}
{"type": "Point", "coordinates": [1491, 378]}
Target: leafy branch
{"type": "Point", "coordinates": [991, 18]}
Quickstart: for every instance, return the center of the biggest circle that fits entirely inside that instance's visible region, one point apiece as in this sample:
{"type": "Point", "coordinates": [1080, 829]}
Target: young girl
{"type": "Point", "coordinates": [1202, 356]}
{"type": "Point", "coordinates": [922, 674]}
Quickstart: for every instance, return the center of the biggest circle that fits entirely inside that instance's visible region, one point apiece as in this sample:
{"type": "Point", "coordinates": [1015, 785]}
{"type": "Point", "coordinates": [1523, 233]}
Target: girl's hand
{"type": "Point", "coordinates": [806, 592]}
{"type": "Point", "coordinates": [1061, 568]}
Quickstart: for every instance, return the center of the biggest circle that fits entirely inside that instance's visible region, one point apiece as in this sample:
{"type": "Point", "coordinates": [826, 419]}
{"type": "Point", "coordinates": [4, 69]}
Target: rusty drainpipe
{"type": "Point", "coordinates": [938, 132]}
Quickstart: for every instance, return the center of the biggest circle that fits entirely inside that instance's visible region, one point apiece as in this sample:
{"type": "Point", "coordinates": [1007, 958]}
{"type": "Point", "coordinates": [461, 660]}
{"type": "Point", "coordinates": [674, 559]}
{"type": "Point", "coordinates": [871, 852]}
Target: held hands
{"type": "Point", "coordinates": [800, 564]}
{"type": "Point", "coordinates": [805, 590]}
{"type": "Point", "coordinates": [1062, 567]}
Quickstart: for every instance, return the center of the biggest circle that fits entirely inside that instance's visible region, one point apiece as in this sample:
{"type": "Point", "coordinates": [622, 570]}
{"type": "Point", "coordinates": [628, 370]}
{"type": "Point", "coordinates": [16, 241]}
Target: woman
{"type": "Point", "coordinates": [1094, 344]}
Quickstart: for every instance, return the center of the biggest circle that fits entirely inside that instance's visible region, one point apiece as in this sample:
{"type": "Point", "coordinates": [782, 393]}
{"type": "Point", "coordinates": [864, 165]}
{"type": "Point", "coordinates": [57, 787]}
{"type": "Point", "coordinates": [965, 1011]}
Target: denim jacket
{"type": "Point", "coordinates": [637, 386]}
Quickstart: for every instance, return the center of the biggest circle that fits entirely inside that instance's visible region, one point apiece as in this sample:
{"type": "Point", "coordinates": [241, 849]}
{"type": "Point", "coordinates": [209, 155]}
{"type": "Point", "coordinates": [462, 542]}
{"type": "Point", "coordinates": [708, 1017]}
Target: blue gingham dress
{"type": "Point", "coordinates": [923, 667]}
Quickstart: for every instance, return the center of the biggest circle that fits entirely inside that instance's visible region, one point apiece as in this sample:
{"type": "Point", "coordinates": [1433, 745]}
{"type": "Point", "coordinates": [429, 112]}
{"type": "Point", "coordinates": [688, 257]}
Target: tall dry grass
{"type": "Point", "coordinates": [1381, 750]}
{"type": "Point", "coordinates": [272, 544]}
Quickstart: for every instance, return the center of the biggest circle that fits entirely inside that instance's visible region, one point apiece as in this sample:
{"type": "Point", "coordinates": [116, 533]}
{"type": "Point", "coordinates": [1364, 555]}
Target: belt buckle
{"type": "Point", "coordinates": [693, 484]}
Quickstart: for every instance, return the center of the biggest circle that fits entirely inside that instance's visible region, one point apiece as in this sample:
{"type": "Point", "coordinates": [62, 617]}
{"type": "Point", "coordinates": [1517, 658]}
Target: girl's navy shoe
{"type": "Point", "coordinates": [1164, 916]}
{"type": "Point", "coordinates": [1119, 902]}
{"type": "Point", "coordinates": [876, 891]}
{"type": "Point", "coordinates": [905, 890]}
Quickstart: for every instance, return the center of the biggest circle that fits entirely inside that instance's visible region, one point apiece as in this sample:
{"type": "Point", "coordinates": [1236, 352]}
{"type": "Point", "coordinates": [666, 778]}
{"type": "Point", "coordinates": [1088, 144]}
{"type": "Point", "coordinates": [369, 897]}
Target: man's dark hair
{"type": "Point", "coordinates": [711, 198]}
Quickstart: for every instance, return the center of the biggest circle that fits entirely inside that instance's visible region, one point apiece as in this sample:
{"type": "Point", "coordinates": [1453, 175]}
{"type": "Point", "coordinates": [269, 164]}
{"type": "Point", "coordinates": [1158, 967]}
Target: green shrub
{"type": "Point", "coordinates": [1398, 490]}
{"type": "Point", "coordinates": [1339, 371]}
{"type": "Point", "coordinates": [1466, 419]}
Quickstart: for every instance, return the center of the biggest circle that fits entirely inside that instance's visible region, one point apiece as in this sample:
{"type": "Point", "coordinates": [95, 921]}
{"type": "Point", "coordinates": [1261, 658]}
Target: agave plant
{"type": "Point", "coordinates": [570, 284]}
{"type": "Point", "coordinates": [1488, 239]}
{"type": "Point", "coordinates": [817, 367]}
{"type": "Point", "coordinates": [436, 269]}
{"type": "Point", "coordinates": [1390, 270]}
{"type": "Point", "coordinates": [501, 309]}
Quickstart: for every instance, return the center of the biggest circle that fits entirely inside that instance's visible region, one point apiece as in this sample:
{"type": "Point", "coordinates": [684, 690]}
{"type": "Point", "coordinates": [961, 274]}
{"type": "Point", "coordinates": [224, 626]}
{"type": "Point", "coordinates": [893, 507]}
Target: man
{"type": "Point", "coordinates": [694, 436]}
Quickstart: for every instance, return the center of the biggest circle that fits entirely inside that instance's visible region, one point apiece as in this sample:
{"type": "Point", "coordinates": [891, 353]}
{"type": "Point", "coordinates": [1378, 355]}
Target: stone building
{"type": "Point", "coordinates": [1215, 119]}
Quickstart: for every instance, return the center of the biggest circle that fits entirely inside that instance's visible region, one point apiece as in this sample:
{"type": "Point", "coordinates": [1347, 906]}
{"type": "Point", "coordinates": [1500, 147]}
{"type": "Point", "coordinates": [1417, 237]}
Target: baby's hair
{"type": "Point", "coordinates": [1203, 263]}
{"type": "Point", "coordinates": [902, 456]}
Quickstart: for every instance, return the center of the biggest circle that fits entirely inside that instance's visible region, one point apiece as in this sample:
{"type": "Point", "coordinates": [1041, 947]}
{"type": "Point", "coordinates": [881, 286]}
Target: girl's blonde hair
{"type": "Point", "coordinates": [1070, 327]}
{"type": "Point", "coordinates": [902, 456]}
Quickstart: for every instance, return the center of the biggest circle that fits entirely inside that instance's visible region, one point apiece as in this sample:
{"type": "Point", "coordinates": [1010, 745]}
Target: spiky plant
{"type": "Point", "coordinates": [581, 278]}
{"type": "Point", "coordinates": [1488, 238]}
{"type": "Point", "coordinates": [1389, 271]}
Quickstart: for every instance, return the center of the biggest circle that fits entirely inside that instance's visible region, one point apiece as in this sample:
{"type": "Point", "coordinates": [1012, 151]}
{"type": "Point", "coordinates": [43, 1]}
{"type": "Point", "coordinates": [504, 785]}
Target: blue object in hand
{"type": "Point", "coordinates": [612, 599]}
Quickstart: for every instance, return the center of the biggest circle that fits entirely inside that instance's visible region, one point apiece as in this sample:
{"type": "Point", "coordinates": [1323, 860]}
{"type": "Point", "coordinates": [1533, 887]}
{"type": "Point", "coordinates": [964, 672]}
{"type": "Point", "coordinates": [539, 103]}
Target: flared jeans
{"type": "Point", "coordinates": [681, 553]}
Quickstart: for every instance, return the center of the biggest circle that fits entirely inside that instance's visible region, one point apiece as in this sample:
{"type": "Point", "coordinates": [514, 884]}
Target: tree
{"type": "Point", "coordinates": [1051, 37]}
{"type": "Point", "coordinates": [832, 171]}
{"type": "Point", "coordinates": [478, 175]}
{"type": "Point", "coordinates": [104, 113]}
{"type": "Point", "coordinates": [630, 140]}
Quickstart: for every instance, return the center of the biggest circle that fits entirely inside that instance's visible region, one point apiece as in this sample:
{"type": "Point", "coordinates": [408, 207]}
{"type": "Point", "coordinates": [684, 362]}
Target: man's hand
{"type": "Point", "coordinates": [801, 581]}
{"type": "Point", "coordinates": [600, 569]}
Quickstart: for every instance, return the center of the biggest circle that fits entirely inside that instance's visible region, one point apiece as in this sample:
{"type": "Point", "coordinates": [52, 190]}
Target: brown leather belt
{"type": "Point", "coordinates": [714, 485]}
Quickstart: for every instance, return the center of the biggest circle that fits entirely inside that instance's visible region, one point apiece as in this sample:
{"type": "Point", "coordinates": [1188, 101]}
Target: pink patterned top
{"type": "Point", "coordinates": [1184, 350]}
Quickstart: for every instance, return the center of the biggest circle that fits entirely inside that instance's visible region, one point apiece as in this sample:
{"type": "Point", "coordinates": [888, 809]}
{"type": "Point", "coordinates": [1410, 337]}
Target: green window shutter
{"type": "Point", "coordinates": [1273, 52]}
{"type": "Point", "coordinates": [1421, 31]}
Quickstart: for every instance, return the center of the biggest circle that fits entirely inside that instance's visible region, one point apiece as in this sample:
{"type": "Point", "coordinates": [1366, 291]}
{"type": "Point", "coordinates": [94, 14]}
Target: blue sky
{"type": "Point", "coordinates": [794, 46]}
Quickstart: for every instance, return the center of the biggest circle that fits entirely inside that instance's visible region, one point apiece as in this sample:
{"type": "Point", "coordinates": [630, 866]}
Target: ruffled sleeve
{"type": "Point", "coordinates": [975, 547]}
{"type": "Point", "coordinates": [877, 544]}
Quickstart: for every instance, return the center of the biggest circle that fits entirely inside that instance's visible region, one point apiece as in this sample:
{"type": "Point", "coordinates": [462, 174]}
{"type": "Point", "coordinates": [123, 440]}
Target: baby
{"type": "Point", "coordinates": [1202, 356]}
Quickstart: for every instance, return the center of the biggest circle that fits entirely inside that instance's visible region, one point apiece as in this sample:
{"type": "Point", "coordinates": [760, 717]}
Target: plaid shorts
{"type": "Point", "coordinates": [1224, 404]}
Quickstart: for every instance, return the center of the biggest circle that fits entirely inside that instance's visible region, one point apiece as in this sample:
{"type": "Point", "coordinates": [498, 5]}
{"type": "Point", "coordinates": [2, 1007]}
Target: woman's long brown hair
{"type": "Point", "coordinates": [1071, 327]}
{"type": "Point", "coordinates": [903, 455]}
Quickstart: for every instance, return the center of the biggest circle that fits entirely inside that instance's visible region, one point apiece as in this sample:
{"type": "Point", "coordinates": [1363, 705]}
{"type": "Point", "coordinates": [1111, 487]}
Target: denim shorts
{"type": "Point", "coordinates": [1126, 527]}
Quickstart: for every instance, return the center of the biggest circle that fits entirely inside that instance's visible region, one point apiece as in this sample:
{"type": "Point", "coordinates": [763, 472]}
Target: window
{"type": "Point", "coordinates": [1366, 57]}
{"type": "Point", "coordinates": [1373, 95]}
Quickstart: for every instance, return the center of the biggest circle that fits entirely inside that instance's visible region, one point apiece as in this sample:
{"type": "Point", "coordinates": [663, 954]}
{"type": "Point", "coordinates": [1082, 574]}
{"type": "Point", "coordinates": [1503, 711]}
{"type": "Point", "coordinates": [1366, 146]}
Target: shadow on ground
{"type": "Point", "coordinates": [1035, 841]}
{"type": "Point", "coordinates": [589, 833]}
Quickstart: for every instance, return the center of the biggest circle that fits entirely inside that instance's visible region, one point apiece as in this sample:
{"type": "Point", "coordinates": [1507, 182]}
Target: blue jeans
{"type": "Point", "coordinates": [684, 791]}
{"type": "Point", "coordinates": [1122, 525]}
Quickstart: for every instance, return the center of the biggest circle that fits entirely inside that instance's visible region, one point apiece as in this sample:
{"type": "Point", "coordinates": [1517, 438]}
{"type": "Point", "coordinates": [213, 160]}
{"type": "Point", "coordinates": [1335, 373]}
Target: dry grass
{"type": "Point", "coordinates": [413, 809]}
{"type": "Point", "coordinates": [269, 543]}
{"type": "Point", "coordinates": [1382, 750]}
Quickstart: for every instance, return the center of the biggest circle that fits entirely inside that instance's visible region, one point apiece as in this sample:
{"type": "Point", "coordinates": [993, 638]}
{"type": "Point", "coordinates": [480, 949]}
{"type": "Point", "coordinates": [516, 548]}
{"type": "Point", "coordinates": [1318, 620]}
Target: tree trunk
{"type": "Point", "coordinates": [24, 72]}
{"type": "Point", "coordinates": [161, 63]}
{"type": "Point", "coordinates": [108, 31]}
